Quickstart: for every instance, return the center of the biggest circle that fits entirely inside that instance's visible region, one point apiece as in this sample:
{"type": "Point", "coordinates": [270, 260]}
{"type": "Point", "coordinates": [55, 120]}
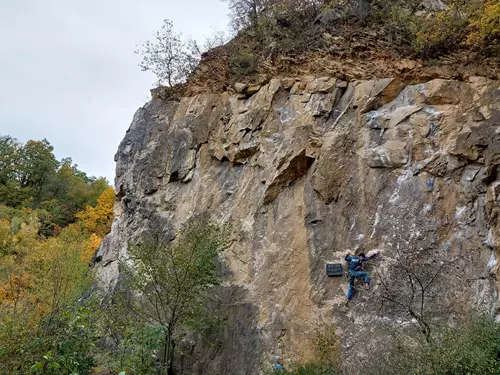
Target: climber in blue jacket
{"type": "Point", "coordinates": [356, 272]}
{"type": "Point", "coordinates": [278, 366]}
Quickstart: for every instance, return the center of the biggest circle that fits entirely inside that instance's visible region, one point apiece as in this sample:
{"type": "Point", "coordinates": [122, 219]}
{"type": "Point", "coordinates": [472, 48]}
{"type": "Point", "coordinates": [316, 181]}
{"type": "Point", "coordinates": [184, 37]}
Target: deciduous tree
{"type": "Point", "coordinates": [98, 219]}
{"type": "Point", "coordinates": [170, 58]}
{"type": "Point", "coordinates": [37, 166]}
{"type": "Point", "coordinates": [170, 283]}
{"type": "Point", "coordinates": [165, 56]}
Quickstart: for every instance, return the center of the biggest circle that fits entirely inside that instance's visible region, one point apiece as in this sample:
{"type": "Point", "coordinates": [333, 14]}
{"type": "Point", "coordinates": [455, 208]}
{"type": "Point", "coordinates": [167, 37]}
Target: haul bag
{"type": "Point", "coordinates": [334, 269]}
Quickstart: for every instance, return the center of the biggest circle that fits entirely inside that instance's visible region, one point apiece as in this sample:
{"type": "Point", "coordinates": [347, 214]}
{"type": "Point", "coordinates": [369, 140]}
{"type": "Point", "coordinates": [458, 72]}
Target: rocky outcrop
{"type": "Point", "coordinates": [305, 169]}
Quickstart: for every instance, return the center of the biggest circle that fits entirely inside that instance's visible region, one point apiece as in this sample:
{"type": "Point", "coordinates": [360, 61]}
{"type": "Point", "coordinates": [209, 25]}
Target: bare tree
{"type": "Point", "coordinates": [195, 50]}
{"type": "Point", "coordinates": [412, 289]}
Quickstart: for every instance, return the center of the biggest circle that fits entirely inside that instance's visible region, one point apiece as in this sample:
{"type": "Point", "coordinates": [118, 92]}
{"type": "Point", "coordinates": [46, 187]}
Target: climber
{"type": "Point", "coordinates": [278, 366]}
{"type": "Point", "coordinates": [356, 272]}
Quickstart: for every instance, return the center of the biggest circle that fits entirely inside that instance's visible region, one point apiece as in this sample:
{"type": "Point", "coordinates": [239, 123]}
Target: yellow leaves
{"type": "Point", "coordinates": [98, 219]}
{"type": "Point", "coordinates": [25, 238]}
{"type": "Point", "coordinates": [4, 235]}
{"type": "Point", "coordinates": [42, 275]}
{"type": "Point", "coordinates": [485, 25]}
{"type": "Point", "coordinates": [92, 244]}
{"type": "Point", "coordinates": [16, 287]}
{"type": "Point", "coordinates": [474, 24]}
{"type": "Point", "coordinates": [59, 269]}
{"type": "Point", "coordinates": [440, 32]}
{"type": "Point", "coordinates": [57, 266]}
{"type": "Point", "coordinates": [469, 24]}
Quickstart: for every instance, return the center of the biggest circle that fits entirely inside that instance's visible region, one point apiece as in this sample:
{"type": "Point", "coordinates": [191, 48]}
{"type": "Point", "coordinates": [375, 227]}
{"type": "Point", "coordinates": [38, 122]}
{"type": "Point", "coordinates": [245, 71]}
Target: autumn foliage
{"type": "Point", "coordinates": [460, 25]}
{"type": "Point", "coordinates": [97, 220]}
{"type": "Point", "coordinates": [484, 27]}
{"type": "Point", "coordinates": [52, 219]}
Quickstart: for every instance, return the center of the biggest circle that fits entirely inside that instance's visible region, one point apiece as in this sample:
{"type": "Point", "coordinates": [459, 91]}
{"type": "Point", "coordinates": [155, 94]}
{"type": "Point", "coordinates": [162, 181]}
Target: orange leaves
{"type": "Point", "coordinates": [98, 219]}
{"type": "Point", "coordinates": [50, 271]}
{"type": "Point", "coordinates": [40, 276]}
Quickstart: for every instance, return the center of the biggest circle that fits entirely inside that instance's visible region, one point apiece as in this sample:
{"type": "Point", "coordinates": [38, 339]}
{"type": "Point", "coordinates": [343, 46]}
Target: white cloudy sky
{"type": "Point", "coordinates": [68, 72]}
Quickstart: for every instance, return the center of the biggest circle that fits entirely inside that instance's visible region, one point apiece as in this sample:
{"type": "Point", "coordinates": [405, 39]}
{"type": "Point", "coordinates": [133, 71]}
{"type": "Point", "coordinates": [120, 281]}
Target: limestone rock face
{"type": "Point", "coordinates": [305, 169]}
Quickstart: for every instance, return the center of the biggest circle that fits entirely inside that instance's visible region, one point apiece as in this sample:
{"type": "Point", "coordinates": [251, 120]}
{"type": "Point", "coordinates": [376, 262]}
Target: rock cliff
{"type": "Point", "coordinates": [305, 169]}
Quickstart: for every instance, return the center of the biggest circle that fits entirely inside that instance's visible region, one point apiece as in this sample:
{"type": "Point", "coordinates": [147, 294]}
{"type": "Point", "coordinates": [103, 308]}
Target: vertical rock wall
{"type": "Point", "coordinates": [303, 170]}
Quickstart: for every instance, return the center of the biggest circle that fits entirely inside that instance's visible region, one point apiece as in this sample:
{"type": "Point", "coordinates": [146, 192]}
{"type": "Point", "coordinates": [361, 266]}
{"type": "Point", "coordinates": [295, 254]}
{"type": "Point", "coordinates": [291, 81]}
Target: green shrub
{"type": "Point", "coordinates": [315, 369]}
{"type": "Point", "coordinates": [64, 346]}
{"type": "Point", "coordinates": [399, 23]}
{"type": "Point", "coordinates": [484, 28]}
{"type": "Point", "coordinates": [472, 348]}
{"type": "Point", "coordinates": [327, 357]}
{"type": "Point", "coordinates": [439, 33]}
{"type": "Point", "coordinates": [434, 34]}
{"type": "Point", "coordinates": [243, 64]}
{"type": "Point", "coordinates": [137, 352]}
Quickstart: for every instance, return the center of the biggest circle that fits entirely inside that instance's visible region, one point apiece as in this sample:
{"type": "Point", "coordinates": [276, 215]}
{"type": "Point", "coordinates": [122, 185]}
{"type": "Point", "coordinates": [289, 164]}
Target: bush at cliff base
{"type": "Point", "coordinates": [472, 347]}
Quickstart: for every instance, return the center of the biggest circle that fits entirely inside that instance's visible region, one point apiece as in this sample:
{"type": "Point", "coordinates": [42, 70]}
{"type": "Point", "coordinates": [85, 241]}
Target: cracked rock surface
{"type": "Point", "coordinates": [304, 169]}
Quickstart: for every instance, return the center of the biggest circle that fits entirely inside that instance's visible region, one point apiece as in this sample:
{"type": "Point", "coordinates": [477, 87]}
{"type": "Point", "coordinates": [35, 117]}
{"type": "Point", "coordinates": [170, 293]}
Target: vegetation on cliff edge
{"type": "Point", "coordinates": [274, 37]}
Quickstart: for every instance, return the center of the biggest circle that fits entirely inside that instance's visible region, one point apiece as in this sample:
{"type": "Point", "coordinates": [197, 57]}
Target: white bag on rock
{"type": "Point", "coordinates": [373, 253]}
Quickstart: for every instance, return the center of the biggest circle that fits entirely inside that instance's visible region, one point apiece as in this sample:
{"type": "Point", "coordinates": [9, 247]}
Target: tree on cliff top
{"type": "Point", "coordinates": [165, 56]}
{"type": "Point", "coordinates": [170, 58]}
{"type": "Point", "coordinates": [169, 284]}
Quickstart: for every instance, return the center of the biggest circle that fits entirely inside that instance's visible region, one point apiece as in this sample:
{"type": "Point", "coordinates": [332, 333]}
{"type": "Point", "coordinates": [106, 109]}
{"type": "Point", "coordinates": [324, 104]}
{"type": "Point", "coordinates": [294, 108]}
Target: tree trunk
{"type": "Point", "coordinates": [167, 358]}
{"type": "Point", "coordinates": [164, 357]}
{"type": "Point", "coordinates": [170, 368]}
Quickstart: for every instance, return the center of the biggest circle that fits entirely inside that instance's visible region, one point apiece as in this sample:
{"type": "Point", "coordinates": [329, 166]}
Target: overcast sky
{"type": "Point", "coordinates": [68, 71]}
